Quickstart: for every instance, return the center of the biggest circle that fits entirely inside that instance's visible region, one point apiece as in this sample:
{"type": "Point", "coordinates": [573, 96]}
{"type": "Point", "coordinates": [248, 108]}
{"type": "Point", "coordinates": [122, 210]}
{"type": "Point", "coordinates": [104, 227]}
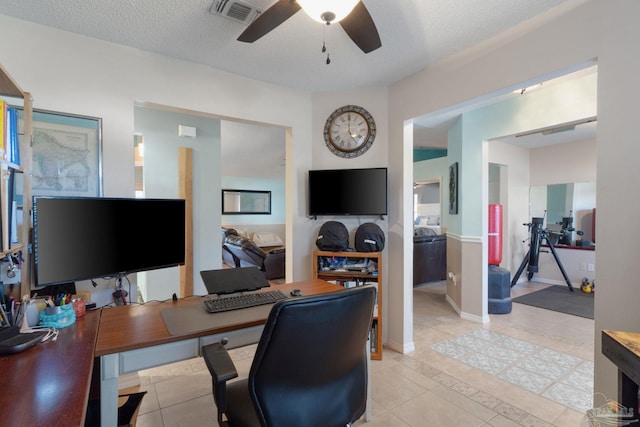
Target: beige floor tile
{"type": "Point", "coordinates": [150, 401]}
{"type": "Point", "coordinates": [502, 421]}
{"type": "Point", "coordinates": [183, 388]}
{"type": "Point", "coordinates": [151, 419]}
{"type": "Point", "coordinates": [430, 409]}
{"type": "Point", "coordinates": [385, 419]}
{"type": "Point", "coordinates": [390, 389]}
{"type": "Point", "coordinates": [570, 418]}
{"type": "Point", "coordinates": [195, 412]}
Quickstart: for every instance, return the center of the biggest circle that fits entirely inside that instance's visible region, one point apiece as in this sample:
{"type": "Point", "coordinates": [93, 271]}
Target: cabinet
{"type": "Point", "coordinates": [331, 266]}
{"type": "Point", "coordinates": [16, 180]}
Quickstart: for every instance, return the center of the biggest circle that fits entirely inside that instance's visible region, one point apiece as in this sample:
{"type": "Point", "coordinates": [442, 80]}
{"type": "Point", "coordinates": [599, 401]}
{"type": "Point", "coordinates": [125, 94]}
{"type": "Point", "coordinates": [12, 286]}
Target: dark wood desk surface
{"type": "Point", "coordinates": [132, 327]}
{"type": "Point", "coordinates": [48, 384]}
{"type": "Point", "coordinates": [623, 349]}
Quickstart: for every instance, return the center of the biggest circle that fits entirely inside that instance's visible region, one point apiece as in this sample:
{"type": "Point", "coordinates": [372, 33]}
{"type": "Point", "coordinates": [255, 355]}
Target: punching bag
{"type": "Point", "coordinates": [495, 234]}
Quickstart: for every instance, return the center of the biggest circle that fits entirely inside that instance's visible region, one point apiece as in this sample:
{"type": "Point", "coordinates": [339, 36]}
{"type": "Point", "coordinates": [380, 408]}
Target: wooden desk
{"type": "Point", "coordinates": [48, 384]}
{"type": "Point", "coordinates": [135, 337]}
{"type": "Point", "coordinates": [623, 349]}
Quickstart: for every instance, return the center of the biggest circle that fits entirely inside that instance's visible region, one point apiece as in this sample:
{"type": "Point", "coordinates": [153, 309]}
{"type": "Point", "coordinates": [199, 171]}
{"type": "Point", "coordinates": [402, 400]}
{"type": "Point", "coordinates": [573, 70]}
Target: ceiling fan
{"type": "Point", "coordinates": [355, 20]}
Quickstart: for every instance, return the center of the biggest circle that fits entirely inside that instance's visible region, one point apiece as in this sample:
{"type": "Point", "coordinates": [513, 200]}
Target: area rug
{"type": "Point", "coordinates": [560, 298]}
{"type": "Point", "coordinates": [561, 377]}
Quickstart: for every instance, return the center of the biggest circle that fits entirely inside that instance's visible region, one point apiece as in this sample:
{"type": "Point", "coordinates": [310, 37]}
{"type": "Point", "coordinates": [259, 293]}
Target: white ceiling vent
{"type": "Point", "coordinates": [239, 11]}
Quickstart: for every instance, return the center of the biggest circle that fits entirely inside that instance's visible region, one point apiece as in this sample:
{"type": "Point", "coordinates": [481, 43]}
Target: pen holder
{"type": "Point", "coordinates": [58, 316]}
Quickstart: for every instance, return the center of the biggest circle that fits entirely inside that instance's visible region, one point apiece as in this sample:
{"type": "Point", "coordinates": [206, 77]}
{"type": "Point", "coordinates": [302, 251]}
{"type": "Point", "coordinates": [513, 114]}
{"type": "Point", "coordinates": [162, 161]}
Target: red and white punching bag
{"type": "Point", "coordinates": [495, 234]}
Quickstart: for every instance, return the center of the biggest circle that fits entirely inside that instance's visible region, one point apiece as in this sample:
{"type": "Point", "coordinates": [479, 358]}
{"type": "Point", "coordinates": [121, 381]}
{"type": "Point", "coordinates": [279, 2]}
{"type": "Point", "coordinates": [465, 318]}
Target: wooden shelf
{"type": "Point", "coordinates": [341, 277]}
{"type": "Point", "coordinates": [10, 89]}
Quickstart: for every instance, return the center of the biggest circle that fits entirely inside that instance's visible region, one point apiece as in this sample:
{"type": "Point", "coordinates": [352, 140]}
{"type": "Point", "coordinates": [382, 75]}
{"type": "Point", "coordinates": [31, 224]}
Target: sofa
{"type": "Point", "coordinates": [429, 257]}
{"type": "Point", "coordinates": [240, 251]}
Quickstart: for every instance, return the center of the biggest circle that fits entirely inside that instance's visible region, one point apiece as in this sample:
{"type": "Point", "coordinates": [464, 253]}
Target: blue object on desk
{"type": "Point", "coordinates": [59, 316]}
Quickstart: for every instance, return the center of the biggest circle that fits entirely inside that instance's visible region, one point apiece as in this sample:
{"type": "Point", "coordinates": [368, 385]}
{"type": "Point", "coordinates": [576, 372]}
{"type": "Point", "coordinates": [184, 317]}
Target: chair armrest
{"type": "Point", "coordinates": [219, 362]}
{"type": "Point", "coordinates": [222, 370]}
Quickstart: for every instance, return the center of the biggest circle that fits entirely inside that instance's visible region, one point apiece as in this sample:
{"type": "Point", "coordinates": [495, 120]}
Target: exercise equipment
{"type": "Point", "coordinates": [495, 234]}
{"type": "Point", "coordinates": [530, 261]}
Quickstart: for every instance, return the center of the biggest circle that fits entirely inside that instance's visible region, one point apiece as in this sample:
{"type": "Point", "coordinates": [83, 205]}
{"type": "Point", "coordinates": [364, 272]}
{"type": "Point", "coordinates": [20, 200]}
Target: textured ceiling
{"type": "Point", "coordinates": [414, 34]}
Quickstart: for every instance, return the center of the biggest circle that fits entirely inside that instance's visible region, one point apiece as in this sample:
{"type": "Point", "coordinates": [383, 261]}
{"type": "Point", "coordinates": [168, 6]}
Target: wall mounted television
{"type": "Point", "coordinates": [84, 238]}
{"type": "Point", "coordinates": [348, 192]}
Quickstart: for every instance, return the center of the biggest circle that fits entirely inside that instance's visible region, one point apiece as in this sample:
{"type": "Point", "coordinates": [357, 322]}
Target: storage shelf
{"type": "Point", "coordinates": [342, 277]}
{"type": "Point", "coordinates": [10, 89]}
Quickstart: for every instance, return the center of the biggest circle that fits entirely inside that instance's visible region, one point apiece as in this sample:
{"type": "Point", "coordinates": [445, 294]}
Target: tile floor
{"type": "Point", "coordinates": [538, 372]}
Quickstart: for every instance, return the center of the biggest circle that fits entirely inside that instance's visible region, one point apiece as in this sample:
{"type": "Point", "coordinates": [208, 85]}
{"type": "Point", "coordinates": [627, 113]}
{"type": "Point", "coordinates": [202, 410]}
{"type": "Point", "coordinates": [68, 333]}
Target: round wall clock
{"type": "Point", "coordinates": [349, 131]}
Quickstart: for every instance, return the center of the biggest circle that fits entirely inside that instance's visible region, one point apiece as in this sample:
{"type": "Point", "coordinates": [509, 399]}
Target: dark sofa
{"type": "Point", "coordinates": [240, 251]}
{"type": "Point", "coordinates": [429, 258]}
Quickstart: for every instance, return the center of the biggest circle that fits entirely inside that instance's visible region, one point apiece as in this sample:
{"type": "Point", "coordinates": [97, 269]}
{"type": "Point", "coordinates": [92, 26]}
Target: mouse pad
{"type": "Point", "coordinates": [186, 320]}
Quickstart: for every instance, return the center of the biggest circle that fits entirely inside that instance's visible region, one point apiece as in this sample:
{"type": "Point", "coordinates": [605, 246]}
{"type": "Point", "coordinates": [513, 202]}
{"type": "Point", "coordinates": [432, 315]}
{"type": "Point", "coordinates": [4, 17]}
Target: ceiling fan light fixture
{"type": "Point", "coordinates": [328, 11]}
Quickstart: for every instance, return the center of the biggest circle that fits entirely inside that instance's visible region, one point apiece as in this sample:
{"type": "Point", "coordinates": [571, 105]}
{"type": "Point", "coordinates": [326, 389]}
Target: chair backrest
{"type": "Point", "coordinates": [310, 367]}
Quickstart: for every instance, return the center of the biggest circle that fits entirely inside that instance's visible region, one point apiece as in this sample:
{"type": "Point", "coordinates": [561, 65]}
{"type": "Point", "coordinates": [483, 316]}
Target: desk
{"type": "Point", "coordinates": [623, 349]}
{"type": "Point", "coordinates": [48, 384]}
{"type": "Point", "coordinates": [134, 337]}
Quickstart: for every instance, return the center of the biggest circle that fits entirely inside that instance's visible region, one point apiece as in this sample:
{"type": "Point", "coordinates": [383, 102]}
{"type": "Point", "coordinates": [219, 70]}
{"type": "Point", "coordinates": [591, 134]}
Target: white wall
{"type": "Point", "coordinates": [559, 164]}
{"type": "Point", "coordinates": [74, 74]}
{"type": "Point", "coordinates": [161, 142]}
{"type": "Point", "coordinates": [374, 100]}
{"type": "Point", "coordinates": [584, 31]}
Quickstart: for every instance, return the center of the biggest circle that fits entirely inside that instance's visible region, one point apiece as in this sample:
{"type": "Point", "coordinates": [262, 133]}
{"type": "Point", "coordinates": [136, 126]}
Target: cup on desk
{"type": "Point", "coordinates": [79, 307]}
{"type": "Point", "coordinates": [34, 307]}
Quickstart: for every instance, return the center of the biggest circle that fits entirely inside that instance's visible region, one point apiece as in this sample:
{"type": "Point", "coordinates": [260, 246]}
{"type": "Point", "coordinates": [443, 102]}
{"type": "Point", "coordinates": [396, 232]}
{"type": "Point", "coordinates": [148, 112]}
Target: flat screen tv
{"type": "Point", "coordinates": [348, 192]}
{"type": "Point", "coordinates": [85, 238]}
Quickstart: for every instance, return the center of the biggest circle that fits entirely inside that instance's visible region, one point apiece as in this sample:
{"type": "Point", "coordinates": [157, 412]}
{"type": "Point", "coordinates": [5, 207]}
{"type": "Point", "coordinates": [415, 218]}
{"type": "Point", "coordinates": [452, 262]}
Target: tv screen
{"type": "Point", "coordinates": [86, 238]}
{"type": "Point", "coordinates": [348, 192]}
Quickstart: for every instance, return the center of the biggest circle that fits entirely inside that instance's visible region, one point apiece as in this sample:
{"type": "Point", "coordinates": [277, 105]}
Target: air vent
{"type": "Point", "coordinates": [237, 10]}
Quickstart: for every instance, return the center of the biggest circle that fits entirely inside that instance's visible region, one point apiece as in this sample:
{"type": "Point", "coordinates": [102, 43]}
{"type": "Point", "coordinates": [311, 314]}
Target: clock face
{"type": "Point", "coordinates": [349, 131]}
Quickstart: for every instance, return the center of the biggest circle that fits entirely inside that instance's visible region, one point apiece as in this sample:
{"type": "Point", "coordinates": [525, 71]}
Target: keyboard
{"type": "Point", "coordinates": [12, 341]}
{"type": "Point", "coordinates": [251, 299]}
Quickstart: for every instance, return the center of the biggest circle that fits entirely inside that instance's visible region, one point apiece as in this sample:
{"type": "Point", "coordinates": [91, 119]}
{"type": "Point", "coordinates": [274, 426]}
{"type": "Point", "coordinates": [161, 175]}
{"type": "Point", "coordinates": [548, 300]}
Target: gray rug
{"type": "Point", "coordinates": [560, 298]}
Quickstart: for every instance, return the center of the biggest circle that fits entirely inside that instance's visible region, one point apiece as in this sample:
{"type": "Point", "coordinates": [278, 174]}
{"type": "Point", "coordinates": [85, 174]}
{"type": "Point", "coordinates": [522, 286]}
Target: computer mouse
{"type": "Point", "coordinates": [296, 293]}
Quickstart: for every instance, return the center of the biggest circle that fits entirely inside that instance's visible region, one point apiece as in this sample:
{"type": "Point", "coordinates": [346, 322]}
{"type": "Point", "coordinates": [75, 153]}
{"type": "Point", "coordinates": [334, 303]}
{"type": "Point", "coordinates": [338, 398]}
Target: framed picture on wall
{"type": "Point", "coordinates": [453, 188]}
{"type": "Point", "coordinates": [67, 154]}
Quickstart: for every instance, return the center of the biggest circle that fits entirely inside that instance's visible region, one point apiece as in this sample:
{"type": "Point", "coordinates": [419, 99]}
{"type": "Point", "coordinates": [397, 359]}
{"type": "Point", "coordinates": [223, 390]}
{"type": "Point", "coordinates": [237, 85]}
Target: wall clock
{"type": "Point", "coordinates": [349, 131]}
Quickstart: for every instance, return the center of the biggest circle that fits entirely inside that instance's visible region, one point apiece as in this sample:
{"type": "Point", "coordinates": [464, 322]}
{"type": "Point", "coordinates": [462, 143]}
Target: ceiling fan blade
{"type": "Point", "coordinates": [360, 27]}
{"type": "Point", "coordinates": [275, 15]}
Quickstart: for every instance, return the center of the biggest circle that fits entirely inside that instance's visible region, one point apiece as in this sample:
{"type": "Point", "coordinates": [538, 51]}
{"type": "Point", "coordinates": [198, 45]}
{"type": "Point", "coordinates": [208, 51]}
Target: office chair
{"type": "Point", "coordinates": [310, 366]}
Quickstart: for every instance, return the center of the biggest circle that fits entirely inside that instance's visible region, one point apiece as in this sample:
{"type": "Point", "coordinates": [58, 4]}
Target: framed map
{"type": "Point", "coordinates": [67, 154]}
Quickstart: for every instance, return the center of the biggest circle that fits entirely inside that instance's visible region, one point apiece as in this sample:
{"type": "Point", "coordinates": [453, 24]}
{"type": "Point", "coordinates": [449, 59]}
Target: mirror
{"type": "Point", "coordinates": [246, 202]}
{"type": "Point", "coordinates": [570, 211]}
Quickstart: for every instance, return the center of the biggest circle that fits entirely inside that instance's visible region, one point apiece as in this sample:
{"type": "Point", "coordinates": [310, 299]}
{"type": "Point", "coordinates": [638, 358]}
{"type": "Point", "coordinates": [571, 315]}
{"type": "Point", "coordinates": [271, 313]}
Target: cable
{"type": "Point", "coordinates": [52, 333]}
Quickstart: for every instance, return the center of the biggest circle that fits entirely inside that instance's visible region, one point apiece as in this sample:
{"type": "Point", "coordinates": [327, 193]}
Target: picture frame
{"type": "Point", "coordinates": [66, 154]}
{"type": "Point", "coordinates": [453, 189]}
{"type": "Point", "coordinates": [246, 202]}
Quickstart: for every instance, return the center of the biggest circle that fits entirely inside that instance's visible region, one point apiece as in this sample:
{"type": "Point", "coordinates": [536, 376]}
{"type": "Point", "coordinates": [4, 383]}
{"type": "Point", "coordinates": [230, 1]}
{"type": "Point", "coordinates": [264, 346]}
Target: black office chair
{"type": "Point", "coordinates": [310, 366]}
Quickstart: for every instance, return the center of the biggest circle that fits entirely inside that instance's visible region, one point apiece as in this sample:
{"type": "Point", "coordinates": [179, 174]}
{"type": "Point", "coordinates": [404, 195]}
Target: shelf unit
{"type": "Point", "coordinates": [10, 90]}
{"type": "Point", "coordinates": [342, 277]}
